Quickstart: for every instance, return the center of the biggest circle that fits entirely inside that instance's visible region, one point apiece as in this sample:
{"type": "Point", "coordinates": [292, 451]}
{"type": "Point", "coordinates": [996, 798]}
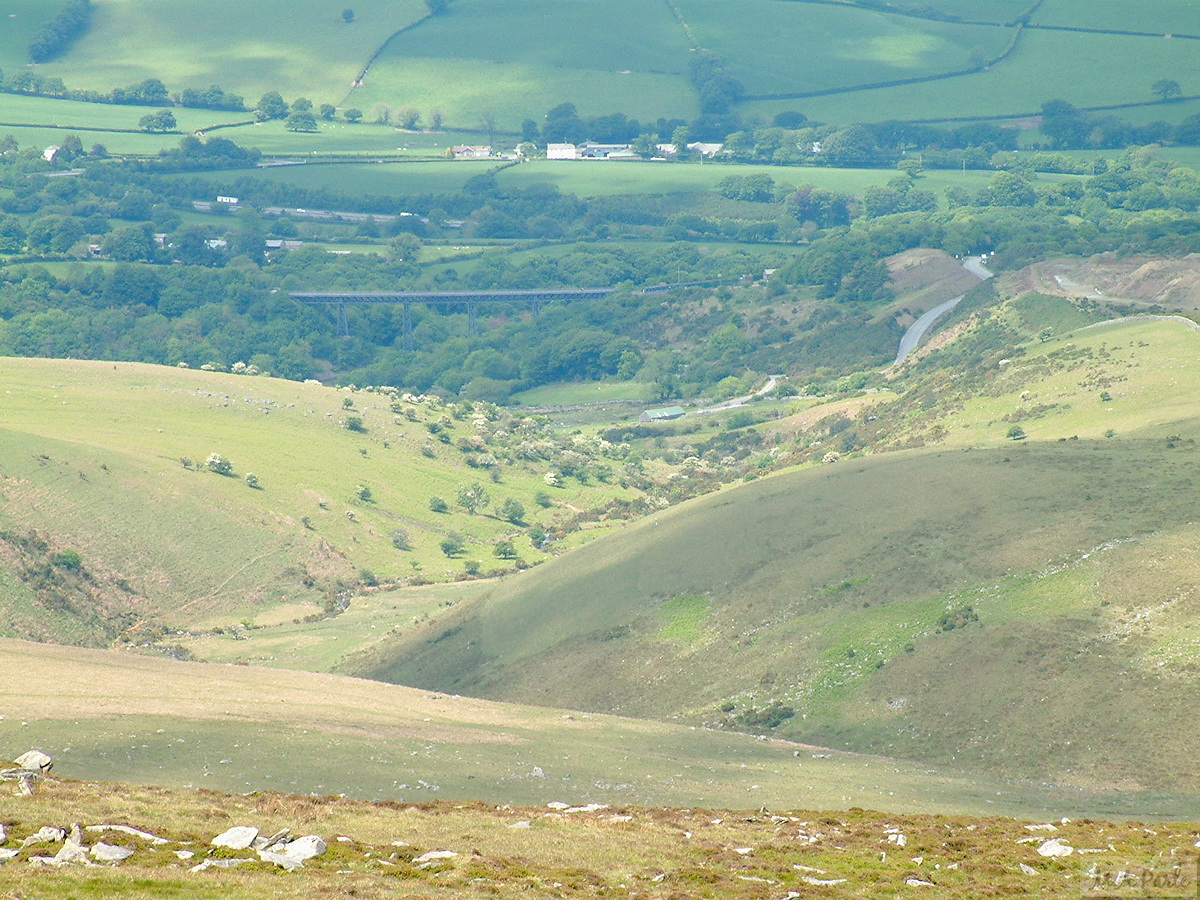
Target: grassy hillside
{"type": "Point", "coordinates": [970, 605]}
{"type": "Point", "coordinates": [176, 543]}
{"type": "Point", "coordinates": [111, 715]}
{"type": "Point", "coordinates": [512, 851]}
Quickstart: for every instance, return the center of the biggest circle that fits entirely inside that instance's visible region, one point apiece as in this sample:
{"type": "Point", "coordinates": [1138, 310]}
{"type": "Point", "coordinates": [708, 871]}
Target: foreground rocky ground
{"type": "Point", "coordinates": [91, 839]}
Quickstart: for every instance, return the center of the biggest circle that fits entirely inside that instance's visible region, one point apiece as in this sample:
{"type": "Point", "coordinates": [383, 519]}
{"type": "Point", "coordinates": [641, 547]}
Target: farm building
{"type": "Point", "coordinates": [468, 151]}
{"type": "Point", "coordinates": [562, 151]}
{"type": "Point", "coordinates": [592, 150]}
{"type": "Point", "coordinates": [663, 414]}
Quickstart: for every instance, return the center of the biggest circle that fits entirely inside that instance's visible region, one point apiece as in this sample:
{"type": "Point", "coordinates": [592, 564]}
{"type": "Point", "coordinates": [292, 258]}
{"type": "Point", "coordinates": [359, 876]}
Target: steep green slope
{"type": "Point", "coordinates": [971, 606]}
{"type": "Point", "coordinates": [109, 461]}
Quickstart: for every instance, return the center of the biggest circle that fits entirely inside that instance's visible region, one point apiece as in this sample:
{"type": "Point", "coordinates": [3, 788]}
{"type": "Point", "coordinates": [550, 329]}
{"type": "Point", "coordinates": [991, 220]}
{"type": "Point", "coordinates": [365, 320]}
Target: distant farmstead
{"type": "Point", "coordinates": [664, 414]}
{"type": "Point", "coordinates": [472, 151]}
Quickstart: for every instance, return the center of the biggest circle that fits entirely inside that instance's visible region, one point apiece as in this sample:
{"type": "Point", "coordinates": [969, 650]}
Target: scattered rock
{"type": "Point", "coordinates": [239, 837]}
{"type": "Point", "coordinates": [220, 864]}
{"type": "Point", "coordinates": [556, 804]}
{"type": "Point", "coordinates": [524, 823]}
{"type": "Point", "coordinates": [6, 855]}
{"type": "Point", "coordinates": [109, 853]}
{"type": "Point", "coordinates": [743, 851]}
{"type": "Point", "coordinates": [809, 879]}
{"type": "Point", "coordinates": [1055, 847]}
{"type": "Point", "coordinates": [591, 807]}
{"type": "Point", "coordinates": [537, 772]}
{"type": "Point", "coordinates": [433, 857]}
{"type": "Point", "coordinates": [3, 833]}
{"type": "Point", "coordinates": [1047, 826]}
{"type": "Point", "coordinates": [918, 882]}
{"type": "Point", "coordinates": [185, 854]}
{"type": "Point", "coordinates": [1028, 870]}
{"type": "Point", "coordinates": [47, 834]}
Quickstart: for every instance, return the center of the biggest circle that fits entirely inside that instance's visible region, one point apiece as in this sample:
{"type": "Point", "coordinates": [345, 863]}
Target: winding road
{"type": "Point", "coordinates": [918, 329]}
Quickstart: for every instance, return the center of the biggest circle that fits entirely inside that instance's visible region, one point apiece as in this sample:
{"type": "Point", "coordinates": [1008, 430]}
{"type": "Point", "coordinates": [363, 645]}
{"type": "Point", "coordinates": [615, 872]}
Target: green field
{"type": "Point", "coordinates": [1046, 65]}
{"type": "Point", "coordinates": [776, 47]}
{"type": "Point", "coordinates": [298, 49]}
{"type": "Point", "coordinates": [1162, 16]}
{"type": "Point", "coordinates": [550, 53]}
{"type": "Point", "coordinates": [589, 178]}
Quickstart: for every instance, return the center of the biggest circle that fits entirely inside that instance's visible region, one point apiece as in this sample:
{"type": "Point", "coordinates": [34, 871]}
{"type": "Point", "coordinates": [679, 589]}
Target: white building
{"type": "Point", "coordinates": [562, 151]}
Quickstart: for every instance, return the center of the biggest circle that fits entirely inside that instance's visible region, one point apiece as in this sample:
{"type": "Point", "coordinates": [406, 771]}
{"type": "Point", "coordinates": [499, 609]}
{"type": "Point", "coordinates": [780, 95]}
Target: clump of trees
{"type": "Point", "coordinates": [57, 34]}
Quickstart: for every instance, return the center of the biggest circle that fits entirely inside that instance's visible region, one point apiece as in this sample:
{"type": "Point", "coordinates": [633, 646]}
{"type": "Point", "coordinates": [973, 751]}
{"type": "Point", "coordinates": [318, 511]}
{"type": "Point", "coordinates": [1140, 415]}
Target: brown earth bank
{"type": "Point", "coordinates": [1172, 283]}
{"type": "Point", "coordinates": [476, 850]}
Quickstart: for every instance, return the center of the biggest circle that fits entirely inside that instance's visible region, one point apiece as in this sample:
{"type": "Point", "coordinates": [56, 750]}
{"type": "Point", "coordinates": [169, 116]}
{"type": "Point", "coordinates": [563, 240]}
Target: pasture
{"type": "Point", "coordinates": [1162, 16]}
{"type": "Point", "coordinates": [588, 178]}
{"type": "Point", "coordinates": [298, 49]}
{"type": "Point", "coordinates": [1046, 65]}
{"type": "Point", "coordinates": [550, 54]}
{"type": "Point", "coordinates": [775, 47]}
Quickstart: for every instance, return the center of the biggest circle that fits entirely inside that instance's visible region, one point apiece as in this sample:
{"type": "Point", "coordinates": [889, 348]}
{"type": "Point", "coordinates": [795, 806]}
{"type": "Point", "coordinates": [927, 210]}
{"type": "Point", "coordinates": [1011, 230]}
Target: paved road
{"type": "Point", "coordinates": [738, 401]}
{"type": "Point", "coordinates": [918, 329]}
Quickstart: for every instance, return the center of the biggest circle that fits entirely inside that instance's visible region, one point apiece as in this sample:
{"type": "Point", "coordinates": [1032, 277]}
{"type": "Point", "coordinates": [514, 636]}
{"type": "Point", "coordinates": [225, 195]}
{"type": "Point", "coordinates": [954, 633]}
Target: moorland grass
{"type": "Point", "coordinates": [109, 715]}
{"type": "Point", "coordinates": [515, 851]}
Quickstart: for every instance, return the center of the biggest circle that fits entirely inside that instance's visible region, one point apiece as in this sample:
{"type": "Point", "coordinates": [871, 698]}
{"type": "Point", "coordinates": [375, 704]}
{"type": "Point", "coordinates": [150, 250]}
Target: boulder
{"type": "Point", "coordinates": [239, 837]}
{"type": "Point", "coordinates": [110, 853]}
{"type": "Point", "coordinates": [6, 855]}
{"type": "Point", "coordinates": [1055, 847]}
{"type": "Point", "coordinates": [35, 759]}
{"type": "Point", "coordinates": [305, 848]}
